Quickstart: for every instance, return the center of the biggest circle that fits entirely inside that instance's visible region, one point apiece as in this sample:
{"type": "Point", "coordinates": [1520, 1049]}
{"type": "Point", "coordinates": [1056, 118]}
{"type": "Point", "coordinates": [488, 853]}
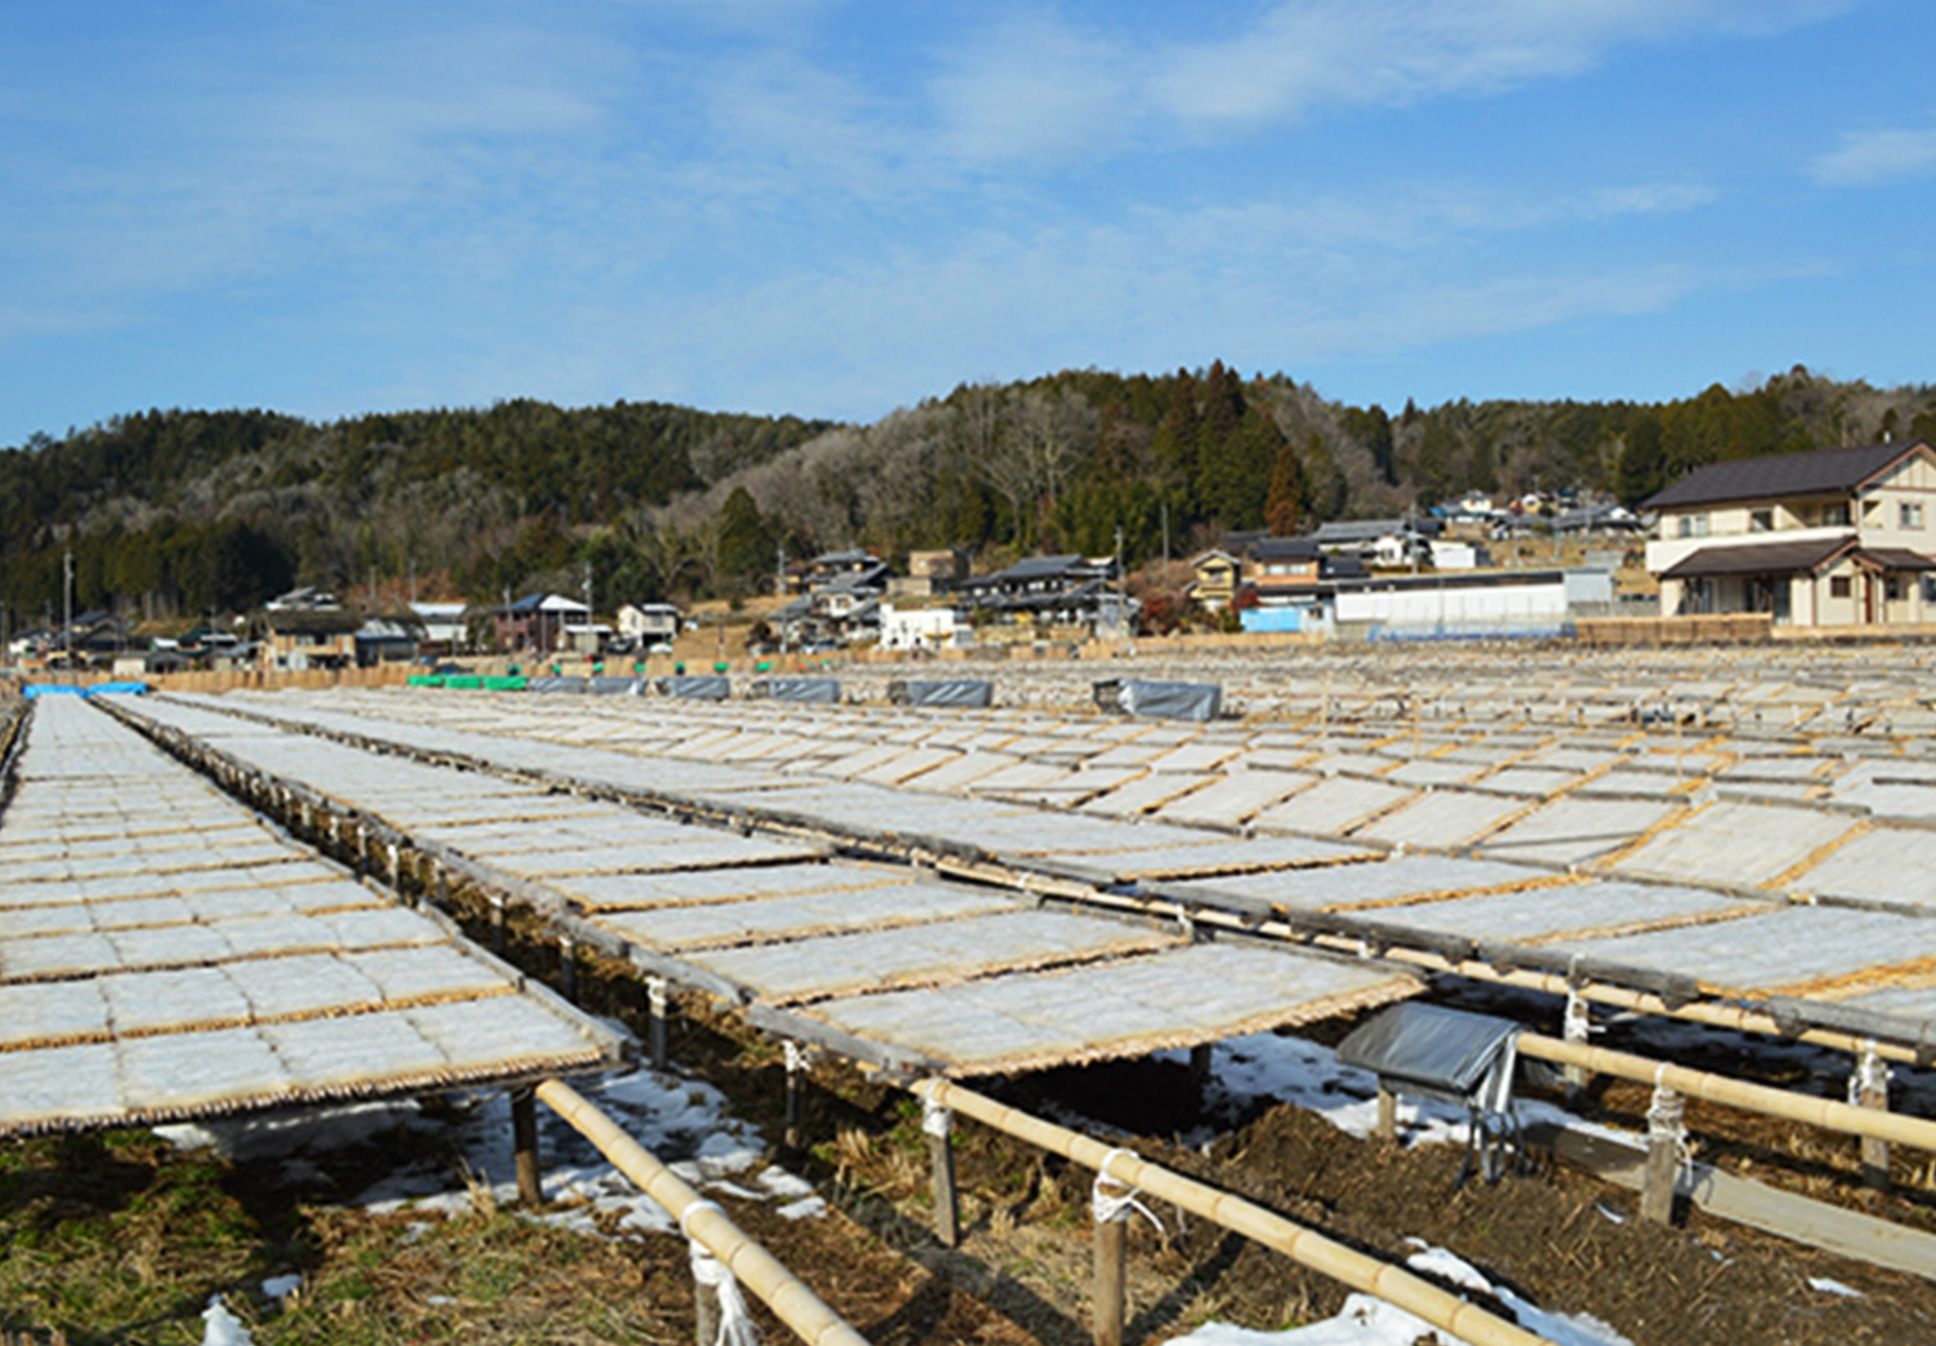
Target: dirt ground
{"type": "Point", "coordinates": [121, 1239]}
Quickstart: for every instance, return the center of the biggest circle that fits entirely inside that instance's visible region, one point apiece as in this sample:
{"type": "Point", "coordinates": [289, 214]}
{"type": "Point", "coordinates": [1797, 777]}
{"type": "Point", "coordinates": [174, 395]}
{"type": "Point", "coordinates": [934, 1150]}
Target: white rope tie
{"type": "Point", "coordinates": [1109, 1207]}
{"type": "Point", "coordinates": [936, 1120]}
{"type": "Point", "coordinates": [1667, 1119]}
{"type": "Point", "coordinates": [655, 994]}
{"type": "Point", "coordinates": [735, 1321]}
{"type": "Point", "coordinates": [1189, 926]}
{"type": "Point", "coordinates": [796, 1057]}
{"type": "Point", "coordinates": [1578, 1024]}
{"type": "Point", "coordinates": [1871, 1074]}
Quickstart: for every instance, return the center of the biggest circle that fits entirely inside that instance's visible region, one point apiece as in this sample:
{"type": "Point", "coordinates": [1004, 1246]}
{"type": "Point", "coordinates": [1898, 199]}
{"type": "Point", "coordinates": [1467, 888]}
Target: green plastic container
{"type": "Point", "coordinates": [464, 682]}
{"type": "Point", "coordinates": [425, 680]}
{"type": "Point", "coordinates": [513, 683]}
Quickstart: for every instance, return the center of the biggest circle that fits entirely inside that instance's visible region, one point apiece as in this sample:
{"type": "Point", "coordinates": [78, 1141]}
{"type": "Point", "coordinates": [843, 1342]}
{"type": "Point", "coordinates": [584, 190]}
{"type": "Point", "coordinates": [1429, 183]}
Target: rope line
{"type": "Point", "coordinates": [735, 1319]}
{"type": "Point", "coordinates": [1109, 1207]}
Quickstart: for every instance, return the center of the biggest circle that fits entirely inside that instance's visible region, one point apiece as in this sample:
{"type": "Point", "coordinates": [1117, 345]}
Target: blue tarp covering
{"type": "Point", "coordinates": [34, 690]}
{"type": "Point", "coordinates": [1272, 619]}
{"type": "Point", "coordinates": [1471, 631]}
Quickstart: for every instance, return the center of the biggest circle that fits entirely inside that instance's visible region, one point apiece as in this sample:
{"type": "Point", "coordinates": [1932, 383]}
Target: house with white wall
{"type": "Point", "coordinates": [1836, 537]}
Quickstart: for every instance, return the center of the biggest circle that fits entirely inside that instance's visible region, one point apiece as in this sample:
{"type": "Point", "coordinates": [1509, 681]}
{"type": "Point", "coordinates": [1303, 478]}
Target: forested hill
{"type": "Point", "coordinates": [178, 512]}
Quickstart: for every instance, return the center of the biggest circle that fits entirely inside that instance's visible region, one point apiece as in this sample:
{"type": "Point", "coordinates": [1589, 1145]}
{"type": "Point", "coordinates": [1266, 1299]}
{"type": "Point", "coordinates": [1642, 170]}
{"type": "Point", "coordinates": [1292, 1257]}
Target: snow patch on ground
{"type": "Point", "coordinates": [224, 1328]}
{"type": "Point", "coordinates": [683, 1122]}
{"type": "Point", "coordinates": [289, 1133]}
{"type": "Point", "coordinates": [281, 1287]}
{"type": "Point", "coordinates": [1308, 1075]}
{"type": "Point", "coordinates": [1829, 1286]}
{"type": "Point", "coordinates": [1364, 1321]}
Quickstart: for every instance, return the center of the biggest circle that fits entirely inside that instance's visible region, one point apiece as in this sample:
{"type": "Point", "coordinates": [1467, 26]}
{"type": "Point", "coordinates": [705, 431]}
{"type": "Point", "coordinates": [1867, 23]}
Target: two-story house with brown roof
{"type": "Point", "coordinates": [1836, 537]}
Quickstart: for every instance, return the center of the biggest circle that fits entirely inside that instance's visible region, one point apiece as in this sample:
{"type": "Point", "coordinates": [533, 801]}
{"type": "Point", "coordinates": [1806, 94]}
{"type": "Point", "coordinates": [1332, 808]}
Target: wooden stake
{"type": "Point", "coordinates": [568, 968]}
{"type": "Point", "coordinates": [1872, 1091]}
{"type": "Point", "coordinates": [1663, 1164]}
{"type": "Point", "coordinates": [1387, 1126]}
{"type": "Point", "coordinates": [497, 924]}
{"type": "Point", "coordinates": [1200, 1059]}
{"type": "Point", "coordinates": [524, 1138]}
{"type": "Point", "coordinates": [705, 1313]}
{"type": "Point", "coordinates": [655, 1003]}
{"type": "Point", "coordinates": [1112, 1246]}
{"type": "Point", "coordinates": [796, 1068]}
{"type": "Point", "coordinates": [947, 1211]}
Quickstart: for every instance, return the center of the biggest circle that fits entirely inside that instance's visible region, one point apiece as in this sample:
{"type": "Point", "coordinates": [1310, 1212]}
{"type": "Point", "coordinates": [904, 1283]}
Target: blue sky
{"type": "Point", "coordinates": [834, 209]}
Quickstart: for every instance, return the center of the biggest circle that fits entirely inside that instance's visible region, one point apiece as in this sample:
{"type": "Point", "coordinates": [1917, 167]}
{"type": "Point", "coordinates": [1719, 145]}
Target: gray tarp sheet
{"type": "Point", "coordinates": [959, 693]}
{"type": "Point", "coordinates": [804, 691]}
{"type": "Point", "coordinates": [615, 686]}
{"type": "Point", "coordinates": [1160, 700]}
{"type": "Point", "coordinates": [1428, 1047]}
{"type": "Point", "coordinates": [573, 684]}
{"type": "Point", "coordinates": [704, 687]}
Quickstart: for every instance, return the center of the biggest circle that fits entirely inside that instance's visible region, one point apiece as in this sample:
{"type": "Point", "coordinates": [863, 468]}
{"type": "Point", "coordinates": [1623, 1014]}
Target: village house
{"type": "Point", "coordinates": [1050, 591]}
{"type": "Point", "coordinates": [1836, 537]}
{"type": "Point", "coordinates": [1217, 575]}
{"type": "Point", "coordinates": [537, 622]}
{"type": "Point", "coordinates": [649, 623]}
{"type": "Point", "coordinates": [305, 638]}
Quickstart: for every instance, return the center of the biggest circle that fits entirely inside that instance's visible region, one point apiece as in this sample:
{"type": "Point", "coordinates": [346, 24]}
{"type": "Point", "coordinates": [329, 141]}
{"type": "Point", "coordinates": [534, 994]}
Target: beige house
{"type": "Point", "coordinates": [1837, 537]}
{"type": "Point", "coordinates": [1217, 574]}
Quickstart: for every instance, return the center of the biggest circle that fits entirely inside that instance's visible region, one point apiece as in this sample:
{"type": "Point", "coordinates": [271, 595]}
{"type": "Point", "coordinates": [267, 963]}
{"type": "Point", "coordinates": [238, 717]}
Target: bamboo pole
{"type": "Point", "coordinates": [1394, 1284]}
{"type": "Point", "coordinates": [753, 1266]}
{"type": "Point", "coordinates": [1827, 1113]}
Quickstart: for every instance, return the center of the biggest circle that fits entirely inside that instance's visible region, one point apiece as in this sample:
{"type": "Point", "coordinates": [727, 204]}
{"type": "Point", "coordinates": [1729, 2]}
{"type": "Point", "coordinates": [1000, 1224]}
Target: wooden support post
{"type": "Point", "coordinates": [1200, 1057]}
{"type": "Point", "coordinates": [656, 1009]}
{"type": "Point", "coordinates": [524, 1138]}
{"type": "Point", "coordinates": [441, 889]}
{"type": "Point", "coordinates": [396, 870]}
{"type": "Point", "coordinates": [705, 1313]}
{"type": "Point", "coordinates": [1387, 1124]}
{"type": "Point", "coordinates": [796, 1069]}
{"type": "Point", "coordinates": [1665, 1139]}
{"type": "Point", "coordinates": [1576, 1026]}
{"type": "Point", "coordinates": [497, 924]}
{"type": "Point", "coordinates": [1869, 1088]}
{"type": "Point", "coordinates": [568, 968]}
{"type": "Point", "coordinates": [1112, 1248]}
{"type": "Point", "coordinates": [938, 1123]}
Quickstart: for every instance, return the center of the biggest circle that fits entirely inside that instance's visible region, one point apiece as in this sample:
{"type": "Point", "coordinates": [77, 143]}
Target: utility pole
{"type": "Point", "coordinates": [779, 586]}
{"type": "Point", "coordinates": [67, 605]}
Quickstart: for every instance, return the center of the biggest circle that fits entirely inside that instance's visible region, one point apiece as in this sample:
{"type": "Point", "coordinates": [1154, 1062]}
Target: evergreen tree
{"type": "Point", "coordinates": [745, 542]}
{"type": "Point", "coordinates": [1285, 505]}
{"type": "Point", "coordinates": [1643, 467]}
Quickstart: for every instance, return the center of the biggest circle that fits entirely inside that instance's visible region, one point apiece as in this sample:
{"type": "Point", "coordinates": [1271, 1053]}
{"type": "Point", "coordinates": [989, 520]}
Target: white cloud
{"type": "Point", "coordinates": [1045, 89]}
{"type": "Point", "coordinates": [1866, 157]}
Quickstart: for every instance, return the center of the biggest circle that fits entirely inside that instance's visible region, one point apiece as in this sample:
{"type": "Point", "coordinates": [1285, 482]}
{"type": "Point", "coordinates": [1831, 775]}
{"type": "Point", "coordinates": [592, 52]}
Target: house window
{"type": "Point", "coordinates": [1693, 525]}
{"type": "Point", "coordinates": [1761, 521]}
{"type": "Point", "coordinates": [1909, 514]}
{"type": "Point", "coordinates": [1836, 515]}
{"type": "Point", "coordinates": [1838, 586]}
{"type": "Point", "coordinates": [1892, 588]}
